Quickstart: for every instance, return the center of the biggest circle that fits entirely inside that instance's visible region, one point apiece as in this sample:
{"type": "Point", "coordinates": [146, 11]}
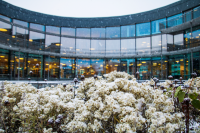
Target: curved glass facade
{"type": "Point", "coordinates": [128, 48]}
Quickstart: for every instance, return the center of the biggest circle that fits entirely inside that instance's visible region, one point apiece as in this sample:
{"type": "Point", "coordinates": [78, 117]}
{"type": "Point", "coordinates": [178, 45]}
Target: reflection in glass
{"type": "Point", "coordinates": [128, 31]}
{"type": "Point", "coordinates": [127, 46]}
{"type": "Point", "coordinates": [36, 41]}
{"type": "Point", "coordinates": [68, 31]}
{"type": "Point", "coordinates": [156, 67]}
{"type": "Point", "coordinates": [52, 43]}
{"type": "Point", "coordinates": [97, 67]}
{"type": "Point", "coordinates": [37, 27]}
{"type": "Point", "coordinates": [98, 47]}
{"type": "Point", "coordinates": [82, 46]}
{"type": "Point", "coordinates": [157, 25]}
{"type": "Point", "coordinates": [22, 23]}
{"type": "Point", "coordinates": [143, 29]}
{"type": "Point", "coordinates": [178, 41]}
{"type": "Point", "coordinates": [20, 33]}
{"type": "Point", "coordinates": [83, 32]}
{"type": "Point", "coordinates": [174, 20]}
{"type": "Point", "coordinates": [112, 65]}
{"type": "Point", "coordinates": [51, 67]}
{"type": "Point", "coordinates": [83, 67]}
{"type": "Point", "coordinates": [170, 42]}
{"type": "Point", "coordinates": [143, 45]}
{"type": "Point", "coordinates": [195, 37]}
{"type": "Point", "coordinates": [4, 73]}
{"type": "Point", "coordinates": [164, 67]}
{"type": "Point", "coordinates": [127, 65]}
{"type": "Point", "coordinates": [19, 60]}
{"type": "Point", "coordinates": [37, 37]}
{"type": "Point", "coordinates": [164, 42]}
{"type": "Point", "coordinates": [67, 45]}
{"type": "Point", "coordinates": [98, 32]}
{"type": "Point", "coordinates": [196, 12]}
{"type": "Point", "coordinates": [5, 28]}
{"type": "Point", "coordinates": [196, 63]}
{"type": "Point", "coordinates": [179, 66]}
{"type": "Point", "coordinates": [53, 29]}
{"type": "Point", "coordinates": [112, 47]}
{"type": "Point", "coordinates": [156, 43]}
{"type": "Point", "coordinates": [67, 68]}
{"type": "Point", "coordinates": [144, 68]}
{"type": "Point", "coordinates": [112, 32]}
{"type": "Point", "coordinates": [34, 59]}
{"type": "Point", "coordinates": [187, 16]}
{"type": "Point", "coordinates": [187, 38]}
{"type": "Point", "coordinates": [5, 18]}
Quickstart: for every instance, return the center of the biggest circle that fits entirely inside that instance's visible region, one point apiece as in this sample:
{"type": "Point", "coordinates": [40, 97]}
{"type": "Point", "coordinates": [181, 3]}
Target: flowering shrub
{"type": "Point", "coordinates": [115, 104]}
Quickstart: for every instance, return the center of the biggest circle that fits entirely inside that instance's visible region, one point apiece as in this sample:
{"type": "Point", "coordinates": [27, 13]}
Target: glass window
{"type": "Point", "coordinates": [98, 47]}
{"type": "Point", "coordinates": [5, 28]}
{"type": "Point", "coordinates": [128, 31]}
{"type": "Point", "coordinates": [170, 42]}
{"type": "Point", "coordinates": [164, 67]}
{"type": "Point", "coordinates": [97, 66]}
{"type": "Point", "coordinates": [34, 59]}
{"type": "Point", "coordinates": [22, 23]}
{"type": "Point", "coordinates": [36, 41]}
{"type": "Point", "coordinates": [127, 46]}
{"type": "Point", "coordinates": [4, 73]}
{"type": "Point", "coordinates": [143, 29]}
{"type": "Point", "coordinates": [112, 47]}
{"type": "Point", "coordinates": [82, 46]}
{"type": "Point", "coordinates": [37, 37]}
{"type": "Point", "coordinates": [83, 32]}
{"type": "Point", "coordinates": [67, 45]}
{"type": "Point", "coordinates": [196, 12]}
{"type": "Point", "coordinates": [52, 43]}
{"type": "Point", "coordinates": [178, 42]}
{"type": "Point", "coordinates": [164, 42]}
{"type": "Point", "coordinates": [195, 37]}
{"type": "Point", "coordinates": [112, 32]}
{"type": "Point", "coordinates": [68, 31]}
{"type": "Point", "coordinates": [37, 27]}
{"type": "Point", "coordinates": [156, 67]}
{"type": "Point", "coordinates": [19, 71]}
{"type": "Point", "coordinates": [144, 68]}
{"type": "Point", "coordinates": [20, 33]}
{"type": "Point", "coordinates": [143, 45]}
{"type": "Point", "coordinates": [66, 68]}
{"type": "Point", "coordinates": [174, 20]}
{"type": "Point", "coordinates": [98, 32]}
{"type": "Point", "coordinates": [156, 43]}
{"type": "Point", "coordinates": [127, 65]}
{"type": "Point", "coordinates": [53, 29]}
{"type": "Point", "coordinates": [157, 25]}
{"type": "Point", "coordinates": [196, 63]}
{"type": "Point", "coordinates": [179, 66]}
{"type": "Point", "coordinates": [187, 38]}
{"type": "Point", "coordinates": [83, 67]}
{"type": "Point", "coordinates": [5, 18]}
{"type": "Point", "coordinates": [112, 65]}
{"type": "Point", "coordinates": [51, 67]}
{"type": "Point", "coordinates": [187, 16]}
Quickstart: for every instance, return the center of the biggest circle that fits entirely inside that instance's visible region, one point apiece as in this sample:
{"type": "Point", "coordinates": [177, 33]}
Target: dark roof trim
{"type": "Point", "coordinates": [15, 12]}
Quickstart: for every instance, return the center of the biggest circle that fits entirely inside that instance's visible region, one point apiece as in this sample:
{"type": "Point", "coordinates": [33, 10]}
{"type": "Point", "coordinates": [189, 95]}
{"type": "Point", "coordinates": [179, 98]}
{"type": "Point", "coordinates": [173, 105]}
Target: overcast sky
{"type": "Point", "coordinates": [90, 8]}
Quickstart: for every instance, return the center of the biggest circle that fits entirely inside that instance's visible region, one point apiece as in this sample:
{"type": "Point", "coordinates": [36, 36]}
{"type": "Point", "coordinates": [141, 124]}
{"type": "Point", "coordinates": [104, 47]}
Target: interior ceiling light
{"type": "Point", "coordinates": [3, 30]}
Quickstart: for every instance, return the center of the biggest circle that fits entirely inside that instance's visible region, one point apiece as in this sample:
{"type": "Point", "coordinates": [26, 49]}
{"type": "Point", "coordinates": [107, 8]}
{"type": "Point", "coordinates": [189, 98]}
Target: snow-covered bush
{"type": "Point", "coordinates": [115, 104]}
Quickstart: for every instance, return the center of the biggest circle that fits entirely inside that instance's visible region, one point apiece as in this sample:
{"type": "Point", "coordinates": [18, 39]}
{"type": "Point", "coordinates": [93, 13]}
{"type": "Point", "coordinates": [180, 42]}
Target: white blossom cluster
{"type": "Point", "coordinates": [119, 100]}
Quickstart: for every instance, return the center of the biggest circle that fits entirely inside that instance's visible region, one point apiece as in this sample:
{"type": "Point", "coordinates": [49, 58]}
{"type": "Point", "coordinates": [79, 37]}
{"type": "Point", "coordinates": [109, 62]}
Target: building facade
{"type": "Point", "coordinates": [157, 43]}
